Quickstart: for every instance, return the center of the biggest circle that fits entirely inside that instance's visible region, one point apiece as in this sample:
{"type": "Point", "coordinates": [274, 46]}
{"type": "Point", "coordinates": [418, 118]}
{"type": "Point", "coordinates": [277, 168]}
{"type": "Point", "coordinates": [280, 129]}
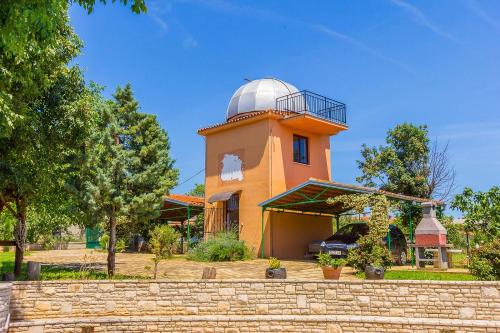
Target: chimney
{"type": "Point", "coordinates": [430, 232]}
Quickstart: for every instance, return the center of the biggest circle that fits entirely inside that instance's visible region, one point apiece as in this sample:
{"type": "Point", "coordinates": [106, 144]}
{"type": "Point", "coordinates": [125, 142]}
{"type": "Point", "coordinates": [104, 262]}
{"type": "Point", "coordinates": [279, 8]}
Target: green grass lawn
{"type": "Point", "coordinates": [460, 260]}
{"type": "Point", "coordinates": [58, 272]}
{"type": "Point", "coordinates": [424, 275]}
{"type": "Point", "coordinates": [7, 262]}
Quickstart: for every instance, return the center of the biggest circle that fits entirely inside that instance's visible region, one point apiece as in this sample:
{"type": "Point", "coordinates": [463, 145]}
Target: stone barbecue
{"type": "Point", "coordinates": [430, 232]}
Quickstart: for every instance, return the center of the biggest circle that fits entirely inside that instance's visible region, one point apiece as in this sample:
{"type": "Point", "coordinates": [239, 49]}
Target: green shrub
{"type": "Point", "coordinates": [371, 251]}
{"type": "Point", "coordinates": [368, 253]}
{"type": "Point", "coordinates": [162, 244]}
{"type": "Point", "coordinates": [120, 245]}
{"type": "Point", "coordinates": [103, 241]}
{"type": "Point", "coordinates": [163, 240]}
{"type": "Point", "coordinates": [48, 242]}
{"type": "Point", "coordinates": [274, 263]}
{"type": "Point", "coordinates": [485, 261]}
{"type": "Point", "coordinates": [326, 260]}
{"type": "Point", "coordinates": [222, 247]}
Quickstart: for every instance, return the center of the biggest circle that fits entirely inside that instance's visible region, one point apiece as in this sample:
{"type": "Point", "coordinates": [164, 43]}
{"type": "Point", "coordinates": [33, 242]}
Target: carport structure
{"type": "Point", "coordinates": [309, 198]}
{"type": "Point", "coordinates": [181, 208]}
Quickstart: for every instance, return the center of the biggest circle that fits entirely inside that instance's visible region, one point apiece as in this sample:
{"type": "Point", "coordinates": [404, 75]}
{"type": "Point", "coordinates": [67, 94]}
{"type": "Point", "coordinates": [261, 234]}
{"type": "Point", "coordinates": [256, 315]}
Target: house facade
{"type": "Point", "coordinates": [275, 138]}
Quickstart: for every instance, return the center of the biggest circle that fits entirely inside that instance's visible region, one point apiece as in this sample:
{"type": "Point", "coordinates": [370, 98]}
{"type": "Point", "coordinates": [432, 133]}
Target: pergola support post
{"type": "Point", "coordinates": [182, 237]}
{"type": "Point", "coordinates": [262, 231]}
{"type": "Point", "coordinates": [188, 227]}
{"type": "Point", "coordinates": [412, 249]}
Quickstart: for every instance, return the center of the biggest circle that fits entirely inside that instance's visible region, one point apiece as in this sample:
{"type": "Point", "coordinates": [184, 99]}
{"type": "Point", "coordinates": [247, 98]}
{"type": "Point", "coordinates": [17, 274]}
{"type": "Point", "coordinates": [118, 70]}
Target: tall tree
{"type": "Point", "coordinates": [36, 156]}
{"type": "Point", "coordinates": [129, 168]}
{"type": "Point", "coordinates": [401, 165]}
{"type": "Point", "coordinates": [37, 112]}
{"type": "Point", "coordinates": [481, 211]}
{"type": "Point", "coordinates": [36, 44]}
{"type": "Point", "coordinates": [408, 164]}
{"type": "Point", "coordinates": [197, 191]}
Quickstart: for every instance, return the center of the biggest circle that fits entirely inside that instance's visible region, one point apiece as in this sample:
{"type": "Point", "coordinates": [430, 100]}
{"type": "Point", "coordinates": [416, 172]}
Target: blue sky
{"type": "Point", "coordinates": [426, 62]}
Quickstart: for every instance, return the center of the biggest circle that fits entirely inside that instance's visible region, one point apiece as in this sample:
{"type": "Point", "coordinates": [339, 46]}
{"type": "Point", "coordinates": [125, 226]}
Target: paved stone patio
{"type": "Point", "coordinates": [180, 268]}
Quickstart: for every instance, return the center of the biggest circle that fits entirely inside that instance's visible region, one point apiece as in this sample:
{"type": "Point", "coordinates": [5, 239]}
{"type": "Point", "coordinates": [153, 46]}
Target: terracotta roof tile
{"type": "Point", "coordinates": [245, 116]}
{"type": "Point", "coordinates": [186, 199]}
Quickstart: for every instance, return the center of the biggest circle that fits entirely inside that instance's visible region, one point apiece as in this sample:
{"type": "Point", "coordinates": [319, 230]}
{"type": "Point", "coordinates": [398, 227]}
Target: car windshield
{"type": "Point", "coordinates": [350, 233]}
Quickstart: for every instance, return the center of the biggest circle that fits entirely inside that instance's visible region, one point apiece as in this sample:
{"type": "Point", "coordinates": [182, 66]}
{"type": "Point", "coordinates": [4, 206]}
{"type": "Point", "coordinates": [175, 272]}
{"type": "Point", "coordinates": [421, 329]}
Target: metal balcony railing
{"type": "Point", "coordinates": [311, 103]}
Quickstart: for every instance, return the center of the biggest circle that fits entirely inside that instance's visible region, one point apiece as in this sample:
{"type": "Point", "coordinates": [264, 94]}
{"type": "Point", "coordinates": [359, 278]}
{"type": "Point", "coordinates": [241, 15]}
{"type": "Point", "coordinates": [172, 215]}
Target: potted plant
{"type": "Point", "coordinates": [275, 271]}
{"type": "Point", "coordinates": [332, 267]}
{"type": "Point", "coordinates": [371, 256]}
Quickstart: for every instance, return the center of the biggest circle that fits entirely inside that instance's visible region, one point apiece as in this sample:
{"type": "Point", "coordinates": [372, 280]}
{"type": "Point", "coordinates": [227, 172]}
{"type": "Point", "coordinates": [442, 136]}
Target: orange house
{"type": "Point", "coordinates": [275, 137]}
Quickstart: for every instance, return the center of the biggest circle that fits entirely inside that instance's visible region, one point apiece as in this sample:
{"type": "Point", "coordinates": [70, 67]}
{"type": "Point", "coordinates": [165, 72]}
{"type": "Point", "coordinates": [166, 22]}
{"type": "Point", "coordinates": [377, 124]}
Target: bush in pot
{"type": "Point", "coordinates": [331, 267]}
{"type": "Point", "coordinates": [371, 257]}
{"type": "Point", "coordinates": [275, 271]}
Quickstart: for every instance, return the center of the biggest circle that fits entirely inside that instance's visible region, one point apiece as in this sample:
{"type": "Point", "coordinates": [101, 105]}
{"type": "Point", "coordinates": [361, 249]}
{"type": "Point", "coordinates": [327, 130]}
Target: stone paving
{"type": "Point", "coordinates": [180, 268]}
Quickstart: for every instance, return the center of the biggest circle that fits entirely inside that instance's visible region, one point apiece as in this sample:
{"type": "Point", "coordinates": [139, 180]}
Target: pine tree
{"type": "Point", "coordinates": [129, 168]}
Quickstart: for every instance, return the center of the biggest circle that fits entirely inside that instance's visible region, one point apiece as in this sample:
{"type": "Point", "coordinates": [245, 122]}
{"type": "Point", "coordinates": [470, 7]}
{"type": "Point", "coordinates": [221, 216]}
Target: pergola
{"type": "Point", "coordinates": [310, 198]}
{"type": "Point", "coordinates": [180, 208]}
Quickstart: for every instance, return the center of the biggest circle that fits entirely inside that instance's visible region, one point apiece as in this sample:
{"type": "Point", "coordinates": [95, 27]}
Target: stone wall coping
{"type": "Point", "coordinates": [269, 281]}
{"type": "Point", "coordinates": [262, 318]}
{"type": "Point", "coordinates": [5, 285]}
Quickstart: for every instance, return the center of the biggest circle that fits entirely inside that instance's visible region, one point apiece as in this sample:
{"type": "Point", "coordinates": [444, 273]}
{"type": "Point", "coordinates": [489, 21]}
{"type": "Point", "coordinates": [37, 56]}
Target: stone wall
{"type": "Point", "coordinates": [258, 305]}
{"type": "Point", "coordinates": [4, 303]}
{"type": "Point", "coordinates": [259, 323]}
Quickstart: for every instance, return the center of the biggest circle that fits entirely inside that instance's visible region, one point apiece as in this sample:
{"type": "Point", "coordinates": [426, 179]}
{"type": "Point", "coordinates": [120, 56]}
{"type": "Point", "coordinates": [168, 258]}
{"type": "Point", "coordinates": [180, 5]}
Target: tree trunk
{"type": "Point", "coordinates": [20, 236]}
{"type": "Point", "coordinates": [112, 244]}
{"type": "Point", "coordinates": [156, 269]}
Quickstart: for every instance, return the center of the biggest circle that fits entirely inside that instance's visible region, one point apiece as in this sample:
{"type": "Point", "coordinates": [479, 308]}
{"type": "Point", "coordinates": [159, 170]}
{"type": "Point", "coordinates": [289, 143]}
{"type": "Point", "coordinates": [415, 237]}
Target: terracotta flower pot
{"type": "Point", "coordinates": [374, 273]}
{"type": "Point", "coordinates": [275, 273]}
{"type": "Point", "coordinates": [330, 273]}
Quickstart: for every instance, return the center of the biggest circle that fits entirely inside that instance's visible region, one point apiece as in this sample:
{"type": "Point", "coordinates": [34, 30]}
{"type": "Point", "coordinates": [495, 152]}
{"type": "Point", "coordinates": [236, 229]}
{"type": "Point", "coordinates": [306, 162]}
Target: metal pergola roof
{"type": "Point", "coordinates": [310, 197]}
{"type": "Point", "coordinates": [178, 207]}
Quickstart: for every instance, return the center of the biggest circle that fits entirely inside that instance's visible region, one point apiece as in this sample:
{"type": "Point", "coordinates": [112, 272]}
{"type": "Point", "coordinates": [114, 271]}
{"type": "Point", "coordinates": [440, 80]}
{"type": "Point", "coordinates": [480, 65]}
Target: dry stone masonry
{"type": "Point", "coordinates": [4, 304]}
{"type": "Point", "coordinates": [255, 305]}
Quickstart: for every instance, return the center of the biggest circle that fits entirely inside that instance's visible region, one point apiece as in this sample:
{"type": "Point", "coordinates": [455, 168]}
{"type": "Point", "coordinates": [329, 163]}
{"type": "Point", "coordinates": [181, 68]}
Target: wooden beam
{"type": "Point", "coordinates": [7, 243]}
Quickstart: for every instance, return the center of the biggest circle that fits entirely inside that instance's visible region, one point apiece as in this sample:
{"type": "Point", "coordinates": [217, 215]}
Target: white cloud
{"type": "Point", "coordinates": [157, 10]}
{"type": "Point", "coordinates": [360, 45]}
{"type": "Point", "coordinates": [471, 130]}
{"type": "Point", "coordinates": [234, 9]}
{"type": "Point", "coordinates": [190, 42]}
{"type": "Point", "coordinates": [482, 14]}
{"type": "Point", "coordinates": [422, 19]}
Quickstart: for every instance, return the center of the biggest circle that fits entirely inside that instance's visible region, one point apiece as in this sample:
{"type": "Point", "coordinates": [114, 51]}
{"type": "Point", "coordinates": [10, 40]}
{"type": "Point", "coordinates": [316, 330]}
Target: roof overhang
{"type": "Point", "coordinates": [311, 197]}
{"type": "Point", "coordinates": [311, 123]}
{"type": "Point", "coordinates": [241, 120]}
{"type": "Point", "coordinates": [221, 196]}
{"type": "Point", "coordinates": [181, 207]}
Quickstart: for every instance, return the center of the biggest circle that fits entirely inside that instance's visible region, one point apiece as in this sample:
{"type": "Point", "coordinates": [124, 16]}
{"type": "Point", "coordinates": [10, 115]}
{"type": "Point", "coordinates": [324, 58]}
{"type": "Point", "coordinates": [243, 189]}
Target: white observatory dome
{"type": "Point", "coordinates": [258, 95]}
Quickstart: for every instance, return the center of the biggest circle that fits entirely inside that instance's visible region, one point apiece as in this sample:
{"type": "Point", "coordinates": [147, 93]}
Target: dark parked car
{"type": "Point", "coordinates": [345, 239]}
